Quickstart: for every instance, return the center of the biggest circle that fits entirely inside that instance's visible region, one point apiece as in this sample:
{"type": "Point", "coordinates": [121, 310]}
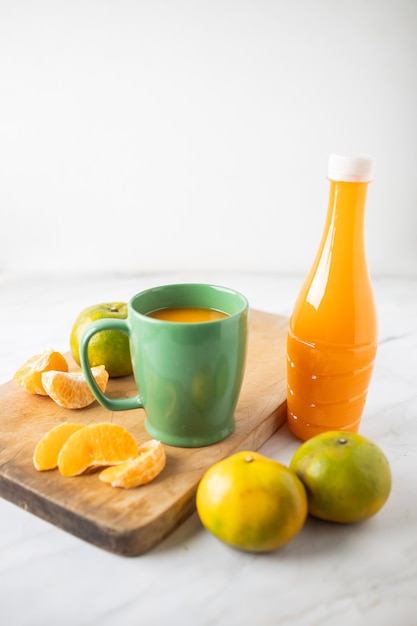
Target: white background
{"type": "Point", "coordinates": [151, 135]}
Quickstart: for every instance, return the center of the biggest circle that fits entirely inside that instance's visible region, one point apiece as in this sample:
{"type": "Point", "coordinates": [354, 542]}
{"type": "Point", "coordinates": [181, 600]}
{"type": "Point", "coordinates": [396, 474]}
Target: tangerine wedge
{"type": "Point", "coordinates": [70, 389]}
{"type": "Point", "coordinates": [96, 445]}
{"type": "Point", "coordinates": [150, 462]}
{"type": "Point", "coordinates": [46, 452]}
{"type": "Point", "coordinates": [29, 375]}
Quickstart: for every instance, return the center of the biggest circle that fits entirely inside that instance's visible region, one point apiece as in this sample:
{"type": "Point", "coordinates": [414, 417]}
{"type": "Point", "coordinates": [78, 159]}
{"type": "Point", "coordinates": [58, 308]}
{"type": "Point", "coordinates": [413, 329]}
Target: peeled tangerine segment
{"type": "Point", "coordinates": [46, 452]}
{"type": "Point", "coordinates": [96, 445]}
{"type": "Point", "coordinates": [70, 389]}
{"type": "Point", "coordinates": [150, 462]}
{"type": "Point", "coordinates": [29, 375]}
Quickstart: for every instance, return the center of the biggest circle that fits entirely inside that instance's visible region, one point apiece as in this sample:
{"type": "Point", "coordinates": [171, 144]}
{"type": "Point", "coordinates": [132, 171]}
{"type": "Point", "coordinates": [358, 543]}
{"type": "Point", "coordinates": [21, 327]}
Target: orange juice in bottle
{"type": "Point", "coordinates": [332, 337]}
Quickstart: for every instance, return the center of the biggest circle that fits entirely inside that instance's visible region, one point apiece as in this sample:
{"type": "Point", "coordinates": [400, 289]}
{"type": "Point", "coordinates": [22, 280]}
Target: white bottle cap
{"type": "Point", "coordinates": [351, 168]}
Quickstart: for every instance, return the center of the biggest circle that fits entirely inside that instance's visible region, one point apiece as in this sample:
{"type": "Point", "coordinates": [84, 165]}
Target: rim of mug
{"type": "Point", "coordinates": [244, 303]}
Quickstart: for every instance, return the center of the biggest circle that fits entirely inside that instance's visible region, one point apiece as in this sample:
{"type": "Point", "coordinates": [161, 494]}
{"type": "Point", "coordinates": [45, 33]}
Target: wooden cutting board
{"type": "Point", "coordinates": [130, 522]}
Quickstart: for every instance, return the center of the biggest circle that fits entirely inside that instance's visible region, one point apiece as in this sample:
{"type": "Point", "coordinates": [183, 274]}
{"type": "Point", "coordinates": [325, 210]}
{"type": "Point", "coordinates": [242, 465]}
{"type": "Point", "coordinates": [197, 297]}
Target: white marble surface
{"type": "Point", "coordinates": [328, 575]}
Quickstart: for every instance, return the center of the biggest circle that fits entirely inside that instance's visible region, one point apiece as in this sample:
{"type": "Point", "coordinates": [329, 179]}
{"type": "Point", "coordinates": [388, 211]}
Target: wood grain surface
{"type": "Point", "coordinates": [130, 522]}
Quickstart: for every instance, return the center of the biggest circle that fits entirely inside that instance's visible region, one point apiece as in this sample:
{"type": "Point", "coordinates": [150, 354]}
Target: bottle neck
{"type": "Point", "coordinates": [345, 217]}
{"type": "Point", "coordinates": [343, 237]}
{"type": "Point", "coordinates": [340, 267]}
{"type": "Point", "coordinates": [336, 303]}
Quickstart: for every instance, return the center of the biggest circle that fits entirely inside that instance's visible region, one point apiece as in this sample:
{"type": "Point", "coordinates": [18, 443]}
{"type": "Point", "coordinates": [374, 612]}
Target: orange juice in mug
{"type": "Point", "coordinates": [187, 314]}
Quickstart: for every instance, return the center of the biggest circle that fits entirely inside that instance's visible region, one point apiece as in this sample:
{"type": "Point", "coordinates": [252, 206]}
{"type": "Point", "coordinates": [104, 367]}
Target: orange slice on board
{"type": "Point", "coordinates": [96, 445]}
{"type": "Point", "coordinates": [70, 389]}
{"type": "Point", "coordinates": [150, 462]}
{"type": "Point", "coordinates": [29, 375]}
{"type": "Point", "coordinates": [46, 452]}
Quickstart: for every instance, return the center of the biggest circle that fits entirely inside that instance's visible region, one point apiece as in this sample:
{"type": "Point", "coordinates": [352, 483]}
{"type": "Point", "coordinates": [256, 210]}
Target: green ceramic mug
{"type": "Point", "coordinates": [188, 373]}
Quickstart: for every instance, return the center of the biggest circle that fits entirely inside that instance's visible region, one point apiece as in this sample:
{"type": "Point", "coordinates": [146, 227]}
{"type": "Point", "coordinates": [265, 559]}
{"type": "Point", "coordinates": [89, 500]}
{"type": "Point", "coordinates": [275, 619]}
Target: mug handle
{"type": "Point", "coordinates": [112, 404]}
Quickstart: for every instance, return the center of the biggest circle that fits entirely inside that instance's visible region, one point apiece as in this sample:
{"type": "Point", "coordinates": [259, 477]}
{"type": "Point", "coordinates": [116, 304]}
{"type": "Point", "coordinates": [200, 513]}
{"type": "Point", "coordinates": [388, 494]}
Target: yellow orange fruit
{"type": "Point", "coordinates": [150, 462]}
{"type": "Point", "coordinates": [251, 502]}
{"type": "Point", "coordinates": [70, 389]}
{"type": "Point", "coordinates": [347, 476]}
{"type": "Point", "coordinates": [46, 452]}
{"type": "Point", "coordinates": [107, 347]}
{"type": "Point", "coordinates": [29, 375]}
{"type": "Point", "coordinates": [96, 445]}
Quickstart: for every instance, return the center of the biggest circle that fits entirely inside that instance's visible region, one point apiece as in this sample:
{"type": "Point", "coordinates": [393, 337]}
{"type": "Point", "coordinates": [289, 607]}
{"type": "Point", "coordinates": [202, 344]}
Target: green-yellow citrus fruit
{"type": "Point", "coordinates": [347, 476]}
{"type": "Point", "coordinates": [108, 347]}
{"type": "Point", "coordinates": [251, 502]}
